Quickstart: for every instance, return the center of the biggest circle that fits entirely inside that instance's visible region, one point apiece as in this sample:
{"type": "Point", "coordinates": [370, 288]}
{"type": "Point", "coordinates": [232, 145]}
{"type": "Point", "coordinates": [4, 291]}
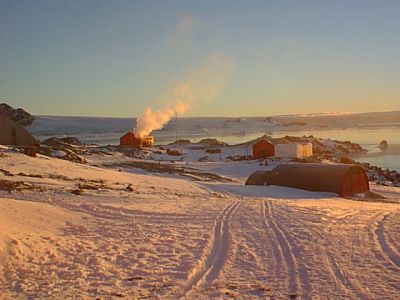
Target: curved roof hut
{"type": "Point", "coordinates": [343, 179]}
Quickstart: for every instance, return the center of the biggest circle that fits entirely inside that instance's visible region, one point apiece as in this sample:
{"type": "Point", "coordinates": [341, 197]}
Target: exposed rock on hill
{"type": "Point", "coordinates": [18, 115]}
{"type": "Point", "coordinates": [67, 148]}
{"type": "Point", "coordinates": [68, 142]}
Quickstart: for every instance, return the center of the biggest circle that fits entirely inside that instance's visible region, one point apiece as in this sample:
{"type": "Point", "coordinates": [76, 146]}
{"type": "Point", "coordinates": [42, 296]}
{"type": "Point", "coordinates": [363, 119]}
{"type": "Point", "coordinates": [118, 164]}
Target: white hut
{"type": "Point", "coordinates": [298, 150]}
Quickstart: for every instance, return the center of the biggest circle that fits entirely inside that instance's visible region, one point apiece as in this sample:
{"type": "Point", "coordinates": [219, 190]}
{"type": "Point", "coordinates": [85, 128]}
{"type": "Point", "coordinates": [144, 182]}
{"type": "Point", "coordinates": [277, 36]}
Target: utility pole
{"type": "Point", "coordinates": [176, 125]}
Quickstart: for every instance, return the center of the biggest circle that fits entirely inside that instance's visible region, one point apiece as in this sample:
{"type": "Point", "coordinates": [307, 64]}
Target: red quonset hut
{"type": "Point", "coordinates": [345, 180]}
{"type": "Point", "coordinates": [263, 149]}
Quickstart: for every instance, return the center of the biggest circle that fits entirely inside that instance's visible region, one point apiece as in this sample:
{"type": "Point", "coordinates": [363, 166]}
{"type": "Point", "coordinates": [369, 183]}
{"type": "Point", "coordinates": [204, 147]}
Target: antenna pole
{"type": "Point", "coordinates": [176, 125]}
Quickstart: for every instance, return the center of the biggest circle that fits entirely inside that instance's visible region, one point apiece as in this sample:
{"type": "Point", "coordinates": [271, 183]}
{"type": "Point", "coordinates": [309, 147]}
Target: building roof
{"type": "Point", "coordinates": [328, 172]}
{"type": "Point", "coordinates": [263, 141]}
{"type": "Point", "coordinates": [129, 133]}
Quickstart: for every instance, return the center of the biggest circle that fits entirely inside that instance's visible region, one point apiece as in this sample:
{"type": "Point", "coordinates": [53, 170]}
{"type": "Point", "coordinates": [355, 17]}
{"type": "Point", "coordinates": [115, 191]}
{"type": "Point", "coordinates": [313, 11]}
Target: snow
{"type": "Point", "coordinates": [170, 236]}
{"type": "Point", "coordinates": [58, 153]}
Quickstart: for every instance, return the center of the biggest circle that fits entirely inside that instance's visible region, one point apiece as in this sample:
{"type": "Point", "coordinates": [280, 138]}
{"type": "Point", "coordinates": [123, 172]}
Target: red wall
{"type": "Point", "coordinates": [263, 149]}
{"type": "Point", "coordinates": [354, 184]}
{"type": "Point", "coordinates": [130, 140]}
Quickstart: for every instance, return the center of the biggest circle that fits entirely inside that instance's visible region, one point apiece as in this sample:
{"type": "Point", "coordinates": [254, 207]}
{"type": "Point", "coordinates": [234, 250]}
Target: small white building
{"type": "Point", "coordinates": [298, 150]}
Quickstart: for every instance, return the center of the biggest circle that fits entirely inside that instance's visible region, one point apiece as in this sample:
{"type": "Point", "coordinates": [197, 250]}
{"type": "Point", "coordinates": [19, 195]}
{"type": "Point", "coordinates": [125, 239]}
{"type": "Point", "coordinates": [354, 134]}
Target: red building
{"type": "Point", "coordinates": [132, 140]}
{"type": "Point", "coordinates": [262, 149]}
{"type": "Point", "coordinates": [345, 180]}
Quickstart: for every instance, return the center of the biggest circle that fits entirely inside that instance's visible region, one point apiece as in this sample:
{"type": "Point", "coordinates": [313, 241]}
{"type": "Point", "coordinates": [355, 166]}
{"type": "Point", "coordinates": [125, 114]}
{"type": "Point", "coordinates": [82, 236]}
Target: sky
{"type": "Point", "coordinates": [115, 58]}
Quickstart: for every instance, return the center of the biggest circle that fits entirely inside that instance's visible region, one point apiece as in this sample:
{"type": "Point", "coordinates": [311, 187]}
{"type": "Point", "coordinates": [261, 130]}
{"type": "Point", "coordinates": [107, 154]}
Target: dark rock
{"type": "Point", "coordinates": [18, 115]}
{"type": "Point", "coordinates": [129, 188]}
{"type": "Point", "coordinates": [174, 152]}
{"type": "Point", "coordinates": [30, 175]}
{"type": "Point", "coordinates": [383, 145]}
{"type": "Point", "coordinates": [135, 278]}
{"type": "Point", "coordinates": [77, 192]}
{"type": "Point", "coordinates": [179, 142]}
{"type": "Point", "coordinates": [70, 154]}
{"type": "Point", "coordinates": [86, 186]}
{"type": "Point", "coordinates": [118, 295]}
{"type": "Point", "coordinates": [62, 142]}
{"type": "Point", "coordinates": [346, 160]}
{"type": "Point", "coordinates": [212, 142]}
{"type": "Point", "coordinates": [6, 173]}
{"type": "Point", "coordinates": [7, 185]}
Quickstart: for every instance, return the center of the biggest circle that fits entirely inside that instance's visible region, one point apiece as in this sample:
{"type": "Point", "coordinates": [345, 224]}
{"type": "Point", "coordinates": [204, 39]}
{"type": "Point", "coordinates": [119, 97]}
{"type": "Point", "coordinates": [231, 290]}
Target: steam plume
{"type": "Point", "coordinates": [204, 84]}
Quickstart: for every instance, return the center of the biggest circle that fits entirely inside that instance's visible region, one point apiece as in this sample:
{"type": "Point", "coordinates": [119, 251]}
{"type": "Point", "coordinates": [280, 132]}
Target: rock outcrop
{"type": "Point", "coordinates": [18, 115]}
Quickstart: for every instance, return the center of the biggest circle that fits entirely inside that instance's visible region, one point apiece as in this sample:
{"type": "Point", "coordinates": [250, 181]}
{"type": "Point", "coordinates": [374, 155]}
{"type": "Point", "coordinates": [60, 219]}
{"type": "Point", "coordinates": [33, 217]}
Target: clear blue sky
{"type": "Point", "coordinates": [114, 58]}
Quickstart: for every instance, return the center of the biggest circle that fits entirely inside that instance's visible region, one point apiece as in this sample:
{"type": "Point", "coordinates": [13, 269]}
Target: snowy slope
{"type": "Point", "coordinates": [170, 237]}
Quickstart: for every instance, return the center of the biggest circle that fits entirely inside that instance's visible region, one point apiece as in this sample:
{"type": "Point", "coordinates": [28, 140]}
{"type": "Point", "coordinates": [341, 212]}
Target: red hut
{"type": "Point", "coordinates": [132, 140]}
{"type": "Point", "coordinates": [345, 180]}
{"type": "Point", "coordinates": [262, 149]}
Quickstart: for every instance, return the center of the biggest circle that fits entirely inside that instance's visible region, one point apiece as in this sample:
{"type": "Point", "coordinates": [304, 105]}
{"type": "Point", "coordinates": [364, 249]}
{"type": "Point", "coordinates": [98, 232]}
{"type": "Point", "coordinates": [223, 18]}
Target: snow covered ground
{"type": "Point", "coordinates": [135, 234]}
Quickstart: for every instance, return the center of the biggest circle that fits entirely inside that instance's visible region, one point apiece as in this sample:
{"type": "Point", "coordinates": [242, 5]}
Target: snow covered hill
{"type": "Point", "coordinates": [71, 230]}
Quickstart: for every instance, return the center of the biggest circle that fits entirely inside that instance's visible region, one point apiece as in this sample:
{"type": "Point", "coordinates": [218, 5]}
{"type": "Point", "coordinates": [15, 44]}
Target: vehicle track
{"type": "Point", "coordinates": [213, 263]}
{"type": "Point", "coordinates": [278, 255]}
{"type": "Point", "coordinates": [384, 245]}
{"type": "Point", "coordinates": [384, 252]}
{"type": "Point", "coordinates": [284, 248]}
{"type": "Point", "coordinates": [339, 275]}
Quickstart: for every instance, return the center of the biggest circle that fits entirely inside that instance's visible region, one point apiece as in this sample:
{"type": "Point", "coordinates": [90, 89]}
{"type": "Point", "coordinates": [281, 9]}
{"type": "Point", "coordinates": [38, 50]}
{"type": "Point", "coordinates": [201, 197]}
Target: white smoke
{"type": "Point", "coordinates": [181, 38]}
{"type": "Point", "coordinates": [204, 84]}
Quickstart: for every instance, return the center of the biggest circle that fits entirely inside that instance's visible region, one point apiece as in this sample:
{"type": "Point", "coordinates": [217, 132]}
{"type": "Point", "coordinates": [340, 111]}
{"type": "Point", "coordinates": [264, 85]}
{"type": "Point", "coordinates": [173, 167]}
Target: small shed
{"type": "Point", "coordinates": [132, 140]}
{"type": "Point", "coordinates": [262, 149]}
{"type": "Point", "coordinates": [345, 180]}
{"type": "Point", "coordinates": [12, 133]}
{"type": "Point", "coordinates": [298, 150]}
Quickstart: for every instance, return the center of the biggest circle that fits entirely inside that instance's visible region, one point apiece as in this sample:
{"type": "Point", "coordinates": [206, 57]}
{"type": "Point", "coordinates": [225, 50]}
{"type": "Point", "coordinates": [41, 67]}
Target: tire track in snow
{"type": "Point", "coordinates": [339, 275]}
{"type": "Point", "coordinates": [278, 255]}
{"type": "Point", "coordinates": [285, 250]}
{"type": "Point", "coordinates": [384, 245]}
{"type": "Point", "coordinates": [214, 262]}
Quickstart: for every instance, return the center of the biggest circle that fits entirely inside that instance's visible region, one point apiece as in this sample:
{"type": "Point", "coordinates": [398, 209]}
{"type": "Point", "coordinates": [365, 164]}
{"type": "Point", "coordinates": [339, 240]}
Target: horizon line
{"type": "Point", "coordinates": [315, 114]}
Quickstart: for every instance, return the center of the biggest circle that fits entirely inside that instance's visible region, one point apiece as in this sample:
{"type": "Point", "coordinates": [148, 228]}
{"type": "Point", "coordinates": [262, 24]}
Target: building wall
{"type": "Point", "coordinates": [286, 150]}
{"type": "Point", "coordinates": [130, 140]}
{"type": "Point", "coordinates": [293, 150]}
{"type": "Point", "coordinates": [263, 149]}
{"type": "Point", "coordinates": [305, 150]}
{"type": "Point", "coordinates": [148, 141]}
{"type": "Point", "coordinates": [345, 180]}
{"type": "Point", "coordinates": [12, 133]}
{"type": "Point", "coordinates": [355, 183]}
